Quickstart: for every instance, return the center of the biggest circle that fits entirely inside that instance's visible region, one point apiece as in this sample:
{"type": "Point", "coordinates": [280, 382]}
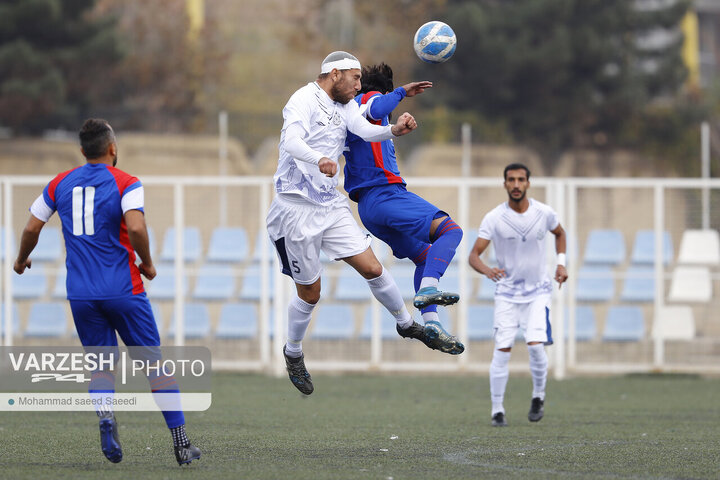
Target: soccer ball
{"type": "Point", "coordinates": [435, 42]}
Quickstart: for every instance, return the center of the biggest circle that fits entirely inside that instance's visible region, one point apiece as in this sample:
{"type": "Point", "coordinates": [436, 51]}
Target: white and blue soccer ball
{"type": "Point", "coordinates": [435, 42]}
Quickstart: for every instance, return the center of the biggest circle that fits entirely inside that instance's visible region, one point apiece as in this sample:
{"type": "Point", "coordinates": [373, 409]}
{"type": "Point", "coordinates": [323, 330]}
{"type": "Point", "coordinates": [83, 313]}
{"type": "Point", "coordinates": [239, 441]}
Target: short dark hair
{"type": "Point", "coordinates": [96, 135]}
{"type": "Point", "coordinates": [376, 78]}
{"type": "Point", "coordinates": [516, 166]}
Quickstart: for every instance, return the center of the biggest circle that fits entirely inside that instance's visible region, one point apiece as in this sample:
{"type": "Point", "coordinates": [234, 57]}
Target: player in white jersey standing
{"type": "Point", "coordinates": [518, 230]}
{"type": "Point", "coordinates": [309, 214]}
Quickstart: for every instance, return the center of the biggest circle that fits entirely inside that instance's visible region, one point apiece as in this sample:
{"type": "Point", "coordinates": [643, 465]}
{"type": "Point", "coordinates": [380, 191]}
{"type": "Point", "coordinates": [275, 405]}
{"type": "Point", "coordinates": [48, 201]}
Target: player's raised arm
{"type": "Point", "coordinates": [416, 88]}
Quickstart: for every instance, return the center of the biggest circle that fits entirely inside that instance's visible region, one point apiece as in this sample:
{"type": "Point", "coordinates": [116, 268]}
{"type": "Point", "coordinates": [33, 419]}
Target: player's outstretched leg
{"type": "Point", "coordinates": [109, 438]}
{"type": "Point", "coordinates": [446, 238]}
{"type": "Point", "coordinates": [299, 376]}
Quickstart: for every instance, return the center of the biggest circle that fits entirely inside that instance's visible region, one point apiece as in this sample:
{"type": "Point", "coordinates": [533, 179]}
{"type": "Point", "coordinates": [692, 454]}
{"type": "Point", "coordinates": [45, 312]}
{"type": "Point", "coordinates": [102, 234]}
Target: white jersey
{"type": "Point", "coordinates": [325, 123]}
{"type": "Point", "coordinates": [519, 241]}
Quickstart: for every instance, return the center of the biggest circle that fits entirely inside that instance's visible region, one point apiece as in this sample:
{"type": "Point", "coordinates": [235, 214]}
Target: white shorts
{"type": "Point", "coordinates": [532, 317]}
{"type": "Point", "coordinates": [299, 229]}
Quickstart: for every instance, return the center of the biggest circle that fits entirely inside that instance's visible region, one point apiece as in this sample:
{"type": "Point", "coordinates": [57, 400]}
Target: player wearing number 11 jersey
{"type": "Point", "coordinates": [102, 213]}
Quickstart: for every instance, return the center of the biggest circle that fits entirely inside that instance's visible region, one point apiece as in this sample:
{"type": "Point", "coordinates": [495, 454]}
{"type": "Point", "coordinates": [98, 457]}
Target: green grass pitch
{"type": "Point", "coordinates": [394, 426]}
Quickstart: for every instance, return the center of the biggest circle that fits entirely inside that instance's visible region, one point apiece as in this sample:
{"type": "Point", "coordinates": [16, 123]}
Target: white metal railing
{"type": "Point", "coordinates": [560, 193]}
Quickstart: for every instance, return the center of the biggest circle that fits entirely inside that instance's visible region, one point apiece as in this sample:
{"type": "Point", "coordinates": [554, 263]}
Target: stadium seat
{"type": "Point", "coordinates": [237, 320]}
{"type": "Point", "coordinates": [214, 282]}
{"type": "Point", "coordinates": [47, 320]}
{"type": "Point", "coordinates": [228, 245]}
{"type": "Point", "coordinates": [162, 287]}
{"type": "Point", "coordinates": [333, 321]}
{"type": "Point", "coordinates": [480, 322]}
{"type": "Point", "coordinates": [643, 252]}
{"type": "Point", "coordinates": [605, 247]}
{"type": "Point", "coordinates": [197, 321]}
{"type": "Point", "coordinates": [675, 323]}
{"type": "Point", "coordinates": [585, 325]}
{"type": "Point", "coordinates": [31, 284]}
{"type": "Point", "coordinates": [486, 292]}
{"type": "Point", "coordinates": [14, 318]}
{"type": "Point", "coordinates": [251, 285]}
{"type": "Point", "coordinates": [624, 324]}
{"type": "Point", "coordinates": [700, 247]}
{"type": "Point", "coordinates": [639, 285]}
{"type": "Point", "coordinates": [690, 284]}
{"type": "Point", "coordinates": [404, 274]}
{"type": "Point", "coordinates": [351, 286]}
{"type": "Point", "coordinates": [49, 247]}
{"type": "Point", "coordinates": [59, 290]}
{"type": "Point", "coordinates": [387, 325]}
{"type": "Point", "coordinates": [595, 284]}
{"type": "Point", "coordinates": [192, 245]}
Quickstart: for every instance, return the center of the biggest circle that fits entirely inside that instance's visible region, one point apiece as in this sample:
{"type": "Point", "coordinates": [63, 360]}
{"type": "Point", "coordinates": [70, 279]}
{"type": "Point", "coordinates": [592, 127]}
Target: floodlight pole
{"type": "Point", "coordinates": [223, 157]}
{"type": "Point", "coordinates": [705, 172]}
{"type": "Point", "coordinates": [466, 138]}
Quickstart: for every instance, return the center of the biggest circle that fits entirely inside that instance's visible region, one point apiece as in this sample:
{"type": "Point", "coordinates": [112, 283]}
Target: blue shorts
{"type": "Point", "coordinates": [398, 217]}
{"type": "Point", "coordinates": [97, 321]}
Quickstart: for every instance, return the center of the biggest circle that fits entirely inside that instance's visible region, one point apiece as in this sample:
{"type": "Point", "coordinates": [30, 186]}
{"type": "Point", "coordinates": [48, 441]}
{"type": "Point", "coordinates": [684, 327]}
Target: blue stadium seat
{"type": "Point", "coordinates": [480, 322]}
{"type": "Point", "coordinates": [333, 321]}
{"type": "Point", "coordinates": [404, 273]}
{"type": "Point", "coordinates": [214, 282]}
{"type": "Point", "coordinates": [228, 245]}
{"type": "Point", "coordinates": [624, 324]}
{"type": "Point", "coordinates": [162, 287]}
{"type": "Point", "coordinates": [59, 290]}
{"type": "Point", "coordinates": [605, 247]}
{"type": "Point", "coordinates": [192, 244]}
{"type": "Point", "coordinates": [643, 252]}
{"type": "Point", "coordinates": [47, 320]}
{"type": "Point", "coordinates": [595, 284]}
{"type": "Point", "coordinates": [387, 325]}
{"type": "Point", "coordinates": [251, 283]}
{"type": "Point", "coordinates": [585, 325]}
{"type": "Point", "coordinates": [197, 321]}
{"type": "Point", "coordinates": [639, 285]}
{"type": "Point", "coordinates": [351, 286]}
{"type": "Point", "coordinates": [49, 246]}
{"type": "Point", "coordinates": [31, 284]}
{"type": "Point", "coordinates": [237, 320]}
{"type": "Point", "coordinates": [486, 291]}
{"type": "Point", "coordinates": [14, 318]}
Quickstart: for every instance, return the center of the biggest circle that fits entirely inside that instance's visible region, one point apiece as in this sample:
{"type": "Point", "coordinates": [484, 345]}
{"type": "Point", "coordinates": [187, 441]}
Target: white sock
{"type": "Point", "coordinates": [538, 369]}
{"type": "Point", "coordinates": [430, 317]}
{"type": "Point", "coordinates": [499, 373]}
{"type": "Point", "coordinates": [299, 312]}
{"type": "Point", "coordinates": [429, 282]}
{"type": "Point", "coordinates": [388, 294]}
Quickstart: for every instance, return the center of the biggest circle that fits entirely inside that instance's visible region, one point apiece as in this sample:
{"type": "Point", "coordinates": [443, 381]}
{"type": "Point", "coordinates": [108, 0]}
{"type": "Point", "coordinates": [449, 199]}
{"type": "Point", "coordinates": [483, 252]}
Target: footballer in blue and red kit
{"type": "Point", "coordinates": [101, 209]}
{"type": "Point", "coordinates": [412, 227]}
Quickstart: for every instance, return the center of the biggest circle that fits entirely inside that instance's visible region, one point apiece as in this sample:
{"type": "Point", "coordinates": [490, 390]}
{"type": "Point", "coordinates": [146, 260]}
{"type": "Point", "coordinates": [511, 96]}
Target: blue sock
{"type": "Point", "coordinates": [161, 385]}
{"type": "Point", "coordinates": [446, 239]}
{"type": "Point", "coordinates": [419, 273]}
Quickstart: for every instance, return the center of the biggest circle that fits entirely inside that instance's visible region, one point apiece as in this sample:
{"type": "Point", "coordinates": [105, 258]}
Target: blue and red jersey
{"type": "Point", "coordinates": [369, 164]}
{"type": "Point", "coordinates": [91, 201]}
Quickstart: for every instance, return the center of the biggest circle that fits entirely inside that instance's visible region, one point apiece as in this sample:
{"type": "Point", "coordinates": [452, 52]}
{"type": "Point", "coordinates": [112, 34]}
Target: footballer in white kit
{"type": "Point", "coordinates": [309, 214]}
{"type": "Point", "coordinates": [518, 229]}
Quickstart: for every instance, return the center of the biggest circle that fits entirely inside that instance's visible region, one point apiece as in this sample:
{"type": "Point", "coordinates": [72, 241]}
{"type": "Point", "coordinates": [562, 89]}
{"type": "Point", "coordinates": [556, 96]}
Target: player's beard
{"type": "Point", "coordinates": [336, 93]}
{"type": "Point", "coordinates": [519, 199]}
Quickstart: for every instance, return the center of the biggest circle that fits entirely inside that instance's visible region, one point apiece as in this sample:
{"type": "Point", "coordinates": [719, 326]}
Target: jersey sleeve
{"type": "Point", "coordinates": [133, 197]}
{"type": "Point", "coordinates": [358, 124]}
{"type": "Point", "coordinates": [297, 111]}
{"type": "Point", "coordinates": [486, 228]}
{"type": "Point", "coordinates": [40, 208]}
{"type": "Point", "coordinates": [380, 106]}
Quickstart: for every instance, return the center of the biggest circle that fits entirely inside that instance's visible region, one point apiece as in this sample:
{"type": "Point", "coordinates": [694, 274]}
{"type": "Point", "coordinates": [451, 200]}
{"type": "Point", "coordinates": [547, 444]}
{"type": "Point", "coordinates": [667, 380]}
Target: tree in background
{"type": "Point", "coordinates": [53, 56]}
{"type": "Point", "coordinates": [561, 74]}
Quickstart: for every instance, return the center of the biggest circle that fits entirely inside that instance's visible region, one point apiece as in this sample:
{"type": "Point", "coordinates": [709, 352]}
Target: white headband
{"type": "Point", "coordinates": [343, 64]}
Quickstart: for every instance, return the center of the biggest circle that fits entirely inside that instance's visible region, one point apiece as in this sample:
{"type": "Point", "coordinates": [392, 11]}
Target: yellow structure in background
{"type": "Point", "coordinates": [196, 17]}
{"type": "Point", "coordinates": [691, 48]}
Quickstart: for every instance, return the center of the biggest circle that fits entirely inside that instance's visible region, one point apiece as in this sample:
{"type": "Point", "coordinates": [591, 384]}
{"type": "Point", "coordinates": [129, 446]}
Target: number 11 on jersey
{"type": "Point", "coordinates": [80, 212]}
